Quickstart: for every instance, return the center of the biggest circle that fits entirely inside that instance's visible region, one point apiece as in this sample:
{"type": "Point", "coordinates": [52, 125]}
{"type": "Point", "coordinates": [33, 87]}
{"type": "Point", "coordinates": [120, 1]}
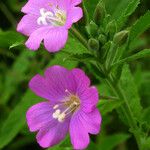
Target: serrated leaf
{"type": "Point", "coordinates": [73, 46]}
{"type": "Point", "coordinates": [127, 12]}
{"type": "Point", "coordinates": [146, 116]}
{"type": "Point", "coordinates": [142, 24]}
{"type": "Point", "coordinates": [106, 106]}
{"type": "Point", "coordinates": [121, 4]}
{"type": "Point", "coordinates": [141, 54]}
{"type": "Point", "coordinates": [80, 57]}
{"type": "Point", "coordinates": [130, 91]}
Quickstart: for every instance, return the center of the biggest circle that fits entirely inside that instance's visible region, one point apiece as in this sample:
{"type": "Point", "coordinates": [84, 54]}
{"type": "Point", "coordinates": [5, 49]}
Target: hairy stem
{"type": "Point", "coordinates": [77, 34]}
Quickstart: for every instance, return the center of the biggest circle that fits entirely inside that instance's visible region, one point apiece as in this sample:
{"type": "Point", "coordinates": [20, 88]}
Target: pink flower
{"type": "Point", "coordinates": [70, 107]}
{"type": "Point", "coordinates": [48, 21]}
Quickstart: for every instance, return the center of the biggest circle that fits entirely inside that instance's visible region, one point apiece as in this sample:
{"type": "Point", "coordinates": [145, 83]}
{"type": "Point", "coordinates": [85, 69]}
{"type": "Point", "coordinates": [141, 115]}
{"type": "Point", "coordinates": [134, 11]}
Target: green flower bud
{"type": "Point", "coordinates": [111, 28]}
{"type": "Point", "coordinates": [102, 38]}
{"type": "Point", "coordinates": [92, 29]}
{"type": "Point", "coordinates": [121, 37]}
{"type": "Point", "coordinates": [99, 13]}
{"type": "Point", "coordinates": [93, 44]}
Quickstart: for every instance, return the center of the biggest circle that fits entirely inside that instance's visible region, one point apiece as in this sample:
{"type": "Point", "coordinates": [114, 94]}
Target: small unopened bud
{"type": "Point", "coordinates": [93, 44]}
{"type": "Point", "coordinates": [102, 38]}
{"type": "Point", "coordinates": [92, 29]}
{"type": "Point", "coordinates": [121, 37]}
{"type": "Point", "coordinates": [111, 28]}
{"type": "Point", "coordinates": [99, 13]}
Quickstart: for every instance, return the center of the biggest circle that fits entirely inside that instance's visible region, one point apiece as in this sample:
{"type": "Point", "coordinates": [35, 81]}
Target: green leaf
{"type": "Point", "coordinates": [130, 91]}
{"type": "Point", "coordinates": [106, 106]}
{"type": "Point", "coordinates": [140, 26]}
{"type": "Point", "coordinates": [141, 54]}
{"type": "Point", "coordinates": [146, 116]}
{"type": "Point", "coordinates": [9, 37]}
{"type": "Point", "coordinates": [146, 144]}
{"type": "Point", "coordinates": [18, 70]}
{"type": "Point", "coordinates": [16, 119]}
{"type": "Point", "coordinates": [127, 12]}
{"type": "Point", "coordinates": [110, 142]}
{"type": "Point", "coordinates": [121, 4]}
{"type": "Point", "coordinates": [73, 46]}
{"type": "Point", "coordinates": [17, 43]}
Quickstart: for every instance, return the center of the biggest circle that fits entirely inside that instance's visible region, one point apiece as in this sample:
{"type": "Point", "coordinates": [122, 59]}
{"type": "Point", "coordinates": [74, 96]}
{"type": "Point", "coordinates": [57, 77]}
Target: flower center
{"type": "Point", "coordinates": [71, 104]}
{"type": "Point", "coordinates": [56, 17]}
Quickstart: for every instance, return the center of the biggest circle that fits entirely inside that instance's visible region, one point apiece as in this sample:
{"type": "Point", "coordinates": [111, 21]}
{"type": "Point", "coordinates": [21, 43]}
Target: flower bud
{"type": "Point", "coordinates": [121, 37]}
{"type": "Point", "coordinates": [92, 29]}
{"type": "Point", "coordinates": [93, 44]}
{"type": "Point", "coordinates": [102, 38]}
{"type": "Point", "coordinates": [111, 28]}
{"type": "Point", "coordinates": [99, 13]}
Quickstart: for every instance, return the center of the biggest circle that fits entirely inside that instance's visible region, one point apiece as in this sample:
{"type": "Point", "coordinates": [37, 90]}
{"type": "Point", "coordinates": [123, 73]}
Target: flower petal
{"type": "Point", "coordinates": [79, 135]}
{"type": "Point", "coordinates": [89, 99]}
{"type": "Point", "coordinates": [91, 121]}
{"type": "Point", "coordinates": [38, 85]}
{"type": "Point", "coordinates": [28, 24]}
{"type": "Point", "coordinates": [76, 2]}
{"type": "Point", "coordinates": [74, 15]}
{"type": "Point", "coordinates": [60, 79]}
{"type": "Point", "coordinates": [82, 80]}
{"type": "Point", "coordinates": [34, 6]}
{"type": "Point", "coordinates": [39, 115]}
{"type": "Point", "coordinates": [53, 133]}
{"type": "Point", "coordinates": [55, 39]}
{"type": "Point", "coordinates": [36, 38]}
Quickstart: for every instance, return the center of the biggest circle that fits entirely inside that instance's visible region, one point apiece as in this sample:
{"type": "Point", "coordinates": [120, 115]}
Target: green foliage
{"type": "Point", "coordinates": [127, 12]}
{"type": "Point", "coordinates": [107, 106]}
{"type": "Point", "coordinates": [101, 46]}
{"type": "Point", "coordinates": [141, 54]}
{"type": "Point", "coordinates": [140, 26]}
{"type": "Point", "coordinates": [110, 142]}
{"type": "Point", "coordinates": [130, 91]}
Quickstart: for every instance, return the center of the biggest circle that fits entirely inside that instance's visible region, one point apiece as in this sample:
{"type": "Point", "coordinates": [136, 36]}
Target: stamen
{"type": "Point", "coordinates": [61, 117]}
{"type": "Point", "coordinates": [71, 104]}
{"type": "Point", "coordinates": [56, 106]}
{"type": "Point", "coordinates": [56, 18]}
{"type": "Point", "coordinates": [56, 113]}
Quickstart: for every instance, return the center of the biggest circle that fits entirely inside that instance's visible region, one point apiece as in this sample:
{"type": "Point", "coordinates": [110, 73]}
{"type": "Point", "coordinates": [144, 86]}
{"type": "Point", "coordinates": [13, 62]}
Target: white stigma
{"type": "Point", "coordinates": [56, 113]}
{"type": "Point", "coordinates": [55, 18]}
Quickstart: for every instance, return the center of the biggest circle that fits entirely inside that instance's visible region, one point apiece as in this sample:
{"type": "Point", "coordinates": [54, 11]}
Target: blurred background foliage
{"type": "Point", "coordinates": [18, 65]}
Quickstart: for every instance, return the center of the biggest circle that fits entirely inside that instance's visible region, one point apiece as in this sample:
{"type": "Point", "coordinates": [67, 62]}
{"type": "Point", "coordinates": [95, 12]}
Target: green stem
{"type": "Point", "coordinates": [125, 109]}
{"type": "Point", "coordinates": [77, 34]}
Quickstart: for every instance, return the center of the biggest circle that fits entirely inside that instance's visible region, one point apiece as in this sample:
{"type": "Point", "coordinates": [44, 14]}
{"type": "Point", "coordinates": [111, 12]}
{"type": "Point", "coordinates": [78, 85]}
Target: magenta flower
{"type": "Point", "coordinates": [48, 21]}
{"type": "Point", "coordinates": [70, 107]}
